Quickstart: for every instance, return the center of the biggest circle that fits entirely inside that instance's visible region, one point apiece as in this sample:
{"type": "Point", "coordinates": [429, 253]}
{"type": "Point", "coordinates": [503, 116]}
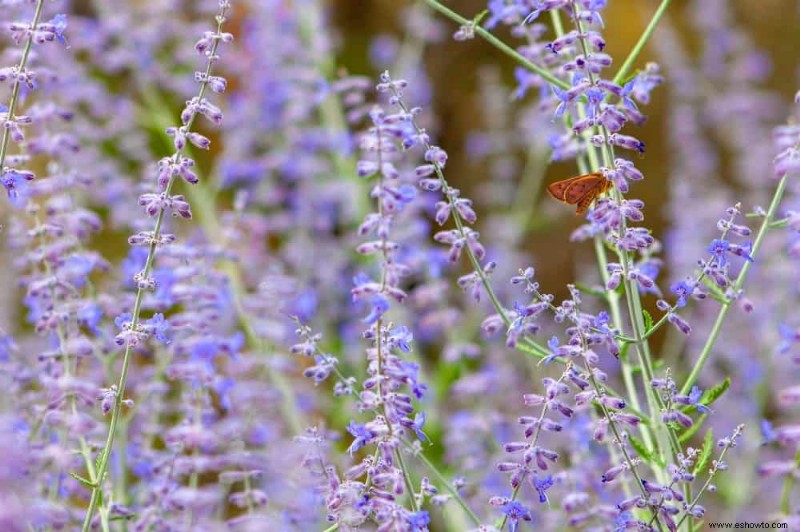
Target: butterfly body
{"type": "Point", "coordinates": [580, 190]}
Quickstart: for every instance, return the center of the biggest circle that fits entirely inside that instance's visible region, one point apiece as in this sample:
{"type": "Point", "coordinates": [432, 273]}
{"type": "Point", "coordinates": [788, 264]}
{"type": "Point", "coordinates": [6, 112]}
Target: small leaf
{"type": "Point", "coordinates": [630, 77]}
{"type": "Point", "coordinates": [479, 17]}
{"type": "Point", "coordinates": [586, 289]}
{"type": "Point", "coordinates": [779, 224]}
{"type": "Point", "coordinates": [641, 449]}
{"type": "Point", "coordinates": [623, 354]}
{"type": "Point", "coordinates": [716, 291]}
{"type": "Point", "coordinates": [705, 453]}
{"type": "Point", "coordinates": [86, 482]}
{"type": "Point", "coordinates": [122, 517]}
{"type": "Point", "coordinates": [712, 394]}
{"type": "Point", "coordinates": [648, 321]}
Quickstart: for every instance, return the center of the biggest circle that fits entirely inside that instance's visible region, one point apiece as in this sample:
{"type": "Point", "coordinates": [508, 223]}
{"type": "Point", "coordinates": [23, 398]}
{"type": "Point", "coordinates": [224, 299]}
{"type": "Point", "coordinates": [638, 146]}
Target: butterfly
{"type": "Point", "coordinates": [580, 190]}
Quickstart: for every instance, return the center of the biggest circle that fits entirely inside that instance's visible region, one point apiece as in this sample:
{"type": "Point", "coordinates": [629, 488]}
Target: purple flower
{"type": "Point", "coordinates": [719, 251]}
{"type": "Point", "coordinates": [419, 521]}
{"type": "Point", "coordinates": [516, 512]}
{"type": "Point", "coordinates": [16, 185]}
{"type": "Point", "coordinates": [683, 290]}
{"type": "Point", "coordinates": [542, 484]}
{"type": "Point", "coordinates": [416, 426]}
{"type": "Point", "coordinates": [361, 434]}
{"type": "Point", "coordinates": [505, 12]}
{"type": "Point", "coordinates": [59, 23]}
{"type": "Point", "coordinates": [693, 399]}
{"type": "Point", "coordinates": [378, 307]}
{"type": "Point", "coordinates": [768, 433]}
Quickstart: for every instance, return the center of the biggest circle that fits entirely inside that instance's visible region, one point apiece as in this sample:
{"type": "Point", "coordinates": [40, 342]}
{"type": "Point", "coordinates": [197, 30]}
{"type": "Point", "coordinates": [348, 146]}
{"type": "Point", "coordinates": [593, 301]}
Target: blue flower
{"type": "Point", "coordinates": [542, 485]}
{"type": "Point", "coordinates": [305, 305]}
{"type": "Point", "coordinates": [378, 307]}
{"type": "Point", "coordinates": [525, 80]}
{"type": "Point", "coordinates": [361, 434]}
{"type": "Point", "coordinates": [416, 426]}
{"type": "Point", "coordinates": [222, 386]}
{"type": "Point", "coordinates": [60, 24]}
{"type": "Point", "coordinates": [159, 327]}
{"type": "Point", "coordinates": [16, 186]}
{"type": "Point", "coordinates": [7, 345]}
{"type": "Point", "coordinates": [594, 7]}
{"type": "Point", "coordinates": [419, 521]}
{"type": "Point", "coordinates": [694, 398]}
{"type": "Point", "coordinates": [123, 320]}
{"type": "Point", "coordinates": [767, 432]}
{"type": "Point", "coordinates": [165, 281]}
{"type": "Point", "coordinates": [552, 343]}
{"type": "Point", "coordinates": [133, 264]}
{"type": "Point", "coordinates": [788, 337]}
{"type": "Point", "coordinates": [89, 316]}
{"type": "Point", "coordinates": [625, 95]}
{"type": "Point", "coordinates": [602, 320]}
{"type": "Point", "coordinates": [563, 98]}
{"type": "Point", "coordinates": [77, 268]}
{"type": "Point", "coordinates": [719, 251]}
{"type": "Point", "coordinates": [683, 290]}
{"type": "Point", "coordinates": [402, 337]}
{"type": "Point", "coordinates": [36, 308]}
{"type": "Point", "coordinates": [594, 96]}
{"type": "Point", "coordinates": [503, 11]}
{"type": "Point", "coordinates": [516, 512]}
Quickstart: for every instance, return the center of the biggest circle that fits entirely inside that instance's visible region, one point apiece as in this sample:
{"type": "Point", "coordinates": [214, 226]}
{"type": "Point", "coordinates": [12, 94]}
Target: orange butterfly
{"type": "Point", "coordinates": [580, 190]}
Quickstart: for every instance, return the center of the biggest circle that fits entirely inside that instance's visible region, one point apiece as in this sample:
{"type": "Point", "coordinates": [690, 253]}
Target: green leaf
{"type": "Point", "coordinates": [715, 290]}
{"type": "Point", "coordinates": [479, 17]}
{"type": "Point", "coordinates": [586, 289]}
{"type": "Point", "coordinates": [641, 449]}
{"type": "Point", "coordinates": [712, 394]}
{"type": "Point", "coordinates": [779, 224]}
{"type": "Point", "coordinates": [623, 353]}
{"type": "Point", "coordinates": [123, 517]}
{"type": "Point", "coordinates": [648, 321]}
{"type": "Point", "coordinates": [86, 482]}
{"type": "Point", "coordinates": [705, 453]}
{"type": "Point", "coordinates": [630, 76]}
{"type": "Point", "coordinates": [708, 397]}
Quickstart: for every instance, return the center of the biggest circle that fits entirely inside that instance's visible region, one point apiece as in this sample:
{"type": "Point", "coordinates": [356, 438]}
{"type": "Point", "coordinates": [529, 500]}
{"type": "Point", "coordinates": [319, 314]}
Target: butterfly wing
{"type": "Point", "coordinates": [558, 189]}
{"type": "Point", "coordinates": [584, 203]}
{"type": "Point", "coordinates": [581, 186]}
{"type": "Point", "coordinates": [580, 190]}
{"type": "Point", "coordinates": [568, 190]}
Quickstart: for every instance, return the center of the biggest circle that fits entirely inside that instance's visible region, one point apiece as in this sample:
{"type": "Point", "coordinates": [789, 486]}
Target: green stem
{"type": "Point", "coordinates": [737, 286]}
{"type": "Point", "coordinates": [449, 487]}
{"type": "Point", "coordinates": [788, 483]}
{"type": "Point", "coordinates": [526, 345]}
{"type": "Point", "coordinates": [500, 45]}
{"type": "Point", "coordinates": [527, 195]}
{"type": "Point", "coordinates": [12, 104]}
{"type": "Point", "coordinates": [137, 308]}
{"type": "Point", "coordinates": [632, 299]}
{"type": "Point", "coordinates": [711, 475]}
{"type": "Point", "coordinates": [613, 298]}
{"type": "Point", "coordinates": [637, 49]}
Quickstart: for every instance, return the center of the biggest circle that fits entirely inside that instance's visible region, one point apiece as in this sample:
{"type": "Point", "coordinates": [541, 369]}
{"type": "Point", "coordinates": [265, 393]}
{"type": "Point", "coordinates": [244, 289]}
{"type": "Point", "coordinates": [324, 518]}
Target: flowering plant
{"type": "Point", "coordinates": [314, 329]}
